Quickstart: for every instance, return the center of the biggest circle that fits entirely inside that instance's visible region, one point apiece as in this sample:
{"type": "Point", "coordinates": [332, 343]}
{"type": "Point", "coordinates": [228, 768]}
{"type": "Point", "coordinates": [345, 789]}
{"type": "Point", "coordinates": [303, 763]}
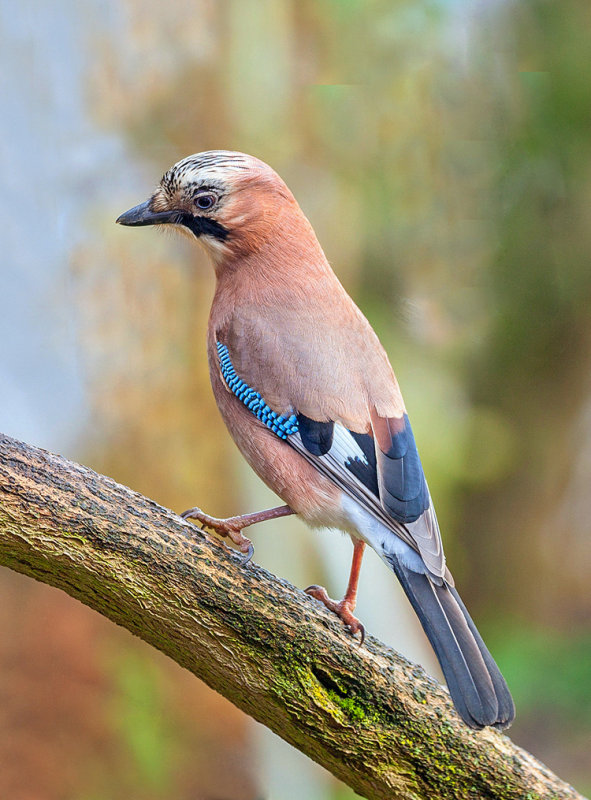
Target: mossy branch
{"type": "Point", "coordinates": [365, 713]}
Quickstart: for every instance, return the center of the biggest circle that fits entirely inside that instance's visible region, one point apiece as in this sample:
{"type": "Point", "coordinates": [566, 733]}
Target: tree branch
{"type": "Point", "coordinates": [373, 719]}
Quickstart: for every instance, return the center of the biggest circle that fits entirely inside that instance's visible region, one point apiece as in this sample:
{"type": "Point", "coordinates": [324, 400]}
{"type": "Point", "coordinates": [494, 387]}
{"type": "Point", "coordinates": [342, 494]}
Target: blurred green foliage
{"type": "Point", "coordinates": [140, 719]}
{"type": "Point", "coordinates": [554, 666]}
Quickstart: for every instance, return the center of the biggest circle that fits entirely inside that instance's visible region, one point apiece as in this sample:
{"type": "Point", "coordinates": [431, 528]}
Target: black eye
{"type": "Point", "coordinates": [205, 201]}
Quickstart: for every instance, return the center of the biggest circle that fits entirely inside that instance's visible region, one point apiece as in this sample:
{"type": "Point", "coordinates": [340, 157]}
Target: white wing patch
{"type": "Point", "coordinates": [344, 447]}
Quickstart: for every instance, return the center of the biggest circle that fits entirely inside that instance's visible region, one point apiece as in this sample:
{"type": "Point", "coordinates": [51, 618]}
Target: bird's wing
{"type": "Point", "coordinates": [379, 468]}
{"type": "Point", "coordinates": [383, 474]}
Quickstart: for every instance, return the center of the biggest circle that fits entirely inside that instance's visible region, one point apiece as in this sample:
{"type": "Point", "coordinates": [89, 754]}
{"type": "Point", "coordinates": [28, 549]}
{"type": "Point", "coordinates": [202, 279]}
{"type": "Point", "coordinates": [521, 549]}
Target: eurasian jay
{"type": "Point", "coordinates": [308, 395]}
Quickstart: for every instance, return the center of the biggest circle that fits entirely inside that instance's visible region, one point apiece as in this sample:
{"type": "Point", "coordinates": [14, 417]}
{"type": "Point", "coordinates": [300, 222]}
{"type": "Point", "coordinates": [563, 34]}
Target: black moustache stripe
{"type": "Point", "coordinates": [204, 226]}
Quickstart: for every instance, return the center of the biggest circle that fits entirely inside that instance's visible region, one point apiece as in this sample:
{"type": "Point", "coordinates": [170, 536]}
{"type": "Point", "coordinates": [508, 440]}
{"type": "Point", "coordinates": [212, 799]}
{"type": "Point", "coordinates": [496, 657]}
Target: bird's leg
{"type": "Point", "coordinates": [344, 609]}
{"type": "Point", "coordinates": [232, 526]}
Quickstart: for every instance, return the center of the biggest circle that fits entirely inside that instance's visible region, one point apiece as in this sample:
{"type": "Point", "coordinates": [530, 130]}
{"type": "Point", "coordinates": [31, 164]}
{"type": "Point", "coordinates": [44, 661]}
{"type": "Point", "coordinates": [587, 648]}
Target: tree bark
{"type": "Point", "coordinates": [372, 718]}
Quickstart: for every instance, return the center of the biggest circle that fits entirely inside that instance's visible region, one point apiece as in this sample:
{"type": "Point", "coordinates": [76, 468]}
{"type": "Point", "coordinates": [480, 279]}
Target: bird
{"type": "Point", "coordinates": [308, 394]}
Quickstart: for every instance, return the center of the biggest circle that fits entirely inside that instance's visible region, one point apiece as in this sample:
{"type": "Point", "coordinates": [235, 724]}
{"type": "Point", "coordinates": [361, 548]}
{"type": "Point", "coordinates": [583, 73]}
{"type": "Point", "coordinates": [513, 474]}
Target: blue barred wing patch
{"type": "Point", "coordinates": [280, 425]}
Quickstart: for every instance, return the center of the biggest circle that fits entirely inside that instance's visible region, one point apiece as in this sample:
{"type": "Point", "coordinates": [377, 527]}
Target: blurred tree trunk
{"type": "Point", "coordinates": [370, 717]}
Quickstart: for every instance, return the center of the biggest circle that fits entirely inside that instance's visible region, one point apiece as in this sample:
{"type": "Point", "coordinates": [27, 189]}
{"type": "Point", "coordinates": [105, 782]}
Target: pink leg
{"type": "Point", "coordinates": [344, 609]}
{"type": "Point", "coordinates": [232, 526]}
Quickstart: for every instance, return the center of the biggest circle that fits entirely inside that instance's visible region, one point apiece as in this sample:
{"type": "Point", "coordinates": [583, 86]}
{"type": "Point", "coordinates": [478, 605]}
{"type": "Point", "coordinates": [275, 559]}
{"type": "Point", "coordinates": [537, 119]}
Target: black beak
{"type": "Point", "coordinates": [143, 215]}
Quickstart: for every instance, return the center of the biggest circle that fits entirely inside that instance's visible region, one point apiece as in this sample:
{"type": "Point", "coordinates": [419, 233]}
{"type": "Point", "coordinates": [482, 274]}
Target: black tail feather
{"type": "Point", "coordinates": [477, 688]}
{"type": "Point", "coordinates": [506, 713]}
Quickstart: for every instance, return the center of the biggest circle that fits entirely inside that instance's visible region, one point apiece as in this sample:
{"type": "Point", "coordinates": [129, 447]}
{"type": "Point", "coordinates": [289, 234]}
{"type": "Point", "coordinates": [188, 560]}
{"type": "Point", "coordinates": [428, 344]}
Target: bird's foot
{"type": "Point", "coordinates": [343, 609]}
{"type": "Point", "coordinates": [230, 527]}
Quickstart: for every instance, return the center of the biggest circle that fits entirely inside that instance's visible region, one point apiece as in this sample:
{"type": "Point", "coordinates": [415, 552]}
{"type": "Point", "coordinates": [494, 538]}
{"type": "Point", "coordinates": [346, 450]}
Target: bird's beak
{"type": "Point", "coordinates": [143, 215]}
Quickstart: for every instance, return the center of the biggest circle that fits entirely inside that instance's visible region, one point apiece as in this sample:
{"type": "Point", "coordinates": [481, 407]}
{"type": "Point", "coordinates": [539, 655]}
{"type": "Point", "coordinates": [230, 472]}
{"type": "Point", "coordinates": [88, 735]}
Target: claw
{"type": "Point", "coordinates": [249, 554]}
{"type": "Point", "coordinates": [362, 631]}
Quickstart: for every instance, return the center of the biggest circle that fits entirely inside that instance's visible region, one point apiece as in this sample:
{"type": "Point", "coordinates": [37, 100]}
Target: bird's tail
{"type": "Point", "coordinates": [478, 690]}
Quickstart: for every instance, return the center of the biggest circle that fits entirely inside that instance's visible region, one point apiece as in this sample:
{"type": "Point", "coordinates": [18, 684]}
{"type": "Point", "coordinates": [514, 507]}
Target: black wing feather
{"type": "Point", "coordinates": [316, 436]}
{"type": "Point", "coordinates": [403, 489]}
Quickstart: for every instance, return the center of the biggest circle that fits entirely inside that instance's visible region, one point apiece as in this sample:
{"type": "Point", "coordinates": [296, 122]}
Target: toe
{"type": "Point", "coordinates": [319, 593]}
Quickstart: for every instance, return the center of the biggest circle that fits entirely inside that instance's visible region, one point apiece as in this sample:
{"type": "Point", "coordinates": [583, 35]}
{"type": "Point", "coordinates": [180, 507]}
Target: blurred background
{"type": "Point", "coordinates": [442, 150]}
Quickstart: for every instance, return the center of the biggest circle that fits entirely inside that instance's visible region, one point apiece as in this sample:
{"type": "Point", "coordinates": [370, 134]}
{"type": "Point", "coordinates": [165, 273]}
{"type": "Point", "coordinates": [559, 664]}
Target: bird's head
{"type": "Point", "coordinates": [229, 201]}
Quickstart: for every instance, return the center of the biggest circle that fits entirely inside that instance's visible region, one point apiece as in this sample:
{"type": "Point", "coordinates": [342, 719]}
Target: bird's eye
{"type": "Point", "coordinates": [205, 201]}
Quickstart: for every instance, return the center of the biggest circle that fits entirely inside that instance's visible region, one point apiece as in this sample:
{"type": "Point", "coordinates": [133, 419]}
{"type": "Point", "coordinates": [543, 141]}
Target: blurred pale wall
{"type": "Point", "coordinates": [442, 155]}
